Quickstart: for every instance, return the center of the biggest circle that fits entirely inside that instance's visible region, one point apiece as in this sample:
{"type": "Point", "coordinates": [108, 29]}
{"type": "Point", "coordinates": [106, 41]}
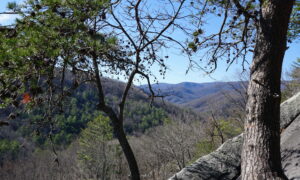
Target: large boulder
{"type": "Point", "coordinates": [225, 162]}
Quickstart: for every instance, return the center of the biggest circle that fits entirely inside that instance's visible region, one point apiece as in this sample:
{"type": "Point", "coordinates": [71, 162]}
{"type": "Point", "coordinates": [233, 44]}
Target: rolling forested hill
{"type": "Point", "coordinates": [203, 97]}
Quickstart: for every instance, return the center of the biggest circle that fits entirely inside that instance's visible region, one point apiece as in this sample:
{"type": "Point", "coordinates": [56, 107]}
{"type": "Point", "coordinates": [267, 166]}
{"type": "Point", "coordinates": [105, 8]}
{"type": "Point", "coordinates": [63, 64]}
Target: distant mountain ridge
{"type": "Point", "coordinates": [198, 96]}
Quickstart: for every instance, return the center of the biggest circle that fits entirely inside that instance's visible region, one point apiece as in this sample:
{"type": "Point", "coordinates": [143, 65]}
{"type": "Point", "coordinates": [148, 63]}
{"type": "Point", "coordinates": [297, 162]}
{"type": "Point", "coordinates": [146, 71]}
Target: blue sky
{"type": "Point", "coordinates": [178, 64]}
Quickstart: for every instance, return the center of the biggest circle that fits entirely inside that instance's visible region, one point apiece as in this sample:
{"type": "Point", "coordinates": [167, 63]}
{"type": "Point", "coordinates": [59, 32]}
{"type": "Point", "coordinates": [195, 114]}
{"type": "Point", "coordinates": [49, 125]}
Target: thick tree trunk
{"type": "Point", "coordinates": [261, 149]}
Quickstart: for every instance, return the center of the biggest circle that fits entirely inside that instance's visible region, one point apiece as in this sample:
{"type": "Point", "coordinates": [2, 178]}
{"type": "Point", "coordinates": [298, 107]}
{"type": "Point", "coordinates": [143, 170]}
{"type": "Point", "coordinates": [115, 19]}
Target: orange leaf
{"type": "Point", "coordinates": [26, 98]}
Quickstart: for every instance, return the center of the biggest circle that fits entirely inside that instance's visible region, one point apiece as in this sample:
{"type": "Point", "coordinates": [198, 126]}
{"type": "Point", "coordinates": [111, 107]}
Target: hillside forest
{"type": "Point", "coordinates": [81, 97]}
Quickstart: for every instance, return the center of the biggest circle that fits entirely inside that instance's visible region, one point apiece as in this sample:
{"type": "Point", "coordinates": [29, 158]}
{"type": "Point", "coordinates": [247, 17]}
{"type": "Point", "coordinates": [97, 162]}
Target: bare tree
{"type": "Point", "coordinates": [164, 150]}
{"type": "Point", "coordinates": [237, 98]}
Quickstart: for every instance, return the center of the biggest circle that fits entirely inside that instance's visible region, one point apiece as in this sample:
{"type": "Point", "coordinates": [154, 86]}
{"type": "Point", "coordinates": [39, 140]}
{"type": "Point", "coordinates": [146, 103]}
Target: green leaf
{"type": "Point", "coordinates": [12, 5]}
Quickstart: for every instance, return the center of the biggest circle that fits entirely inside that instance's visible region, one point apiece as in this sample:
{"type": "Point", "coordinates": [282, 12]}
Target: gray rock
{"type": "Point", "coordinates": [289, 110]}
{"type": "Point", "coordinates": [224, 163]}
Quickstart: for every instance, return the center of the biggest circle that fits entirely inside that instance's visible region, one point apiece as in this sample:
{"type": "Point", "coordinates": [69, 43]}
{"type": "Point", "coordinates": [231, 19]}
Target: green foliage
{"type": "Point", "coordinates": [98, 130]}
{"type": "Point", "coordinates": [8, 149]}
{"type": "Point", "coordinates": [140, 116]}
{"type": "Point", "coordinates": [292, 86]}
{"type": "Point", "coordinates": [95, 151]}
{"type": "Point", "coordinates": [198, 32]}
{"type": "Point", "coordinates": [192, 46]}
{"type": "Point", "coordinates": [294, 26]}
{"type": "Point", "coordinates": [228, 128]}
{"type": "Point", "coordinates": [79, 110]}
{"type": "Point", "coordinates": [12, 5]}
{"type": "Point", "coordinates": [203, 147]}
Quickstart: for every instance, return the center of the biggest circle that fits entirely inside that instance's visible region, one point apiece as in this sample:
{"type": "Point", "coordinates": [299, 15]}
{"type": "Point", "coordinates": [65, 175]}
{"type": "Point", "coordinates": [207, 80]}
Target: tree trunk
{"type": "Point", "coordinates": [119, 131]}
{"type": "Point", "coordinates": [126, 148]}
{"type": "Point", "coordinates": [261, 149]}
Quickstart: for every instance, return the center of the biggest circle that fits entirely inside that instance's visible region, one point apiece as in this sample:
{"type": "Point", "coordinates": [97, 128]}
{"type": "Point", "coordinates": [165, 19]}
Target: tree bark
{"type": "Point", "coordinates": [261, 148]}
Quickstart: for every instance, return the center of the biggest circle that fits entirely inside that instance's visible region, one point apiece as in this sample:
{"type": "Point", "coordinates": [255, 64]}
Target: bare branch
{"type": "Point", "coordinates": [214, 60]}
{"type": "Point", "coordinates": [4, 123]}
{"type": "Point", "coordinates": [166, 27]}
{"type": "Point", "coordinates": [137, 17]}
{"type": "Point", "coordinates": [125, 93]}
{"type": "Point", "coordinates": [123, 29]}
{"type": "Point", "coordinates": [152, 96]}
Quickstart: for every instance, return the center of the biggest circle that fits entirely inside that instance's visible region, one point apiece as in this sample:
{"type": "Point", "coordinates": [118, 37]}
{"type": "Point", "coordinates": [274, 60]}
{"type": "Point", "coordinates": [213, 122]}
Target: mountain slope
{"type": "Point", "coordinates": [201, 97]}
